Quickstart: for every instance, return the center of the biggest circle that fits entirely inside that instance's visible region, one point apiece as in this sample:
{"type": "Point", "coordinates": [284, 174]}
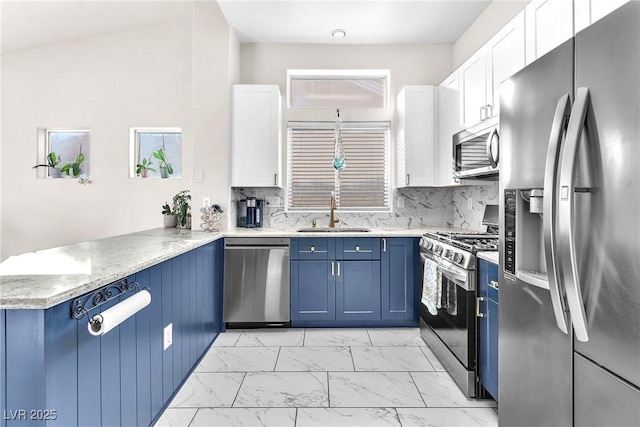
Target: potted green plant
{"type": "Point", "coordinates": [52, 162]}
{"type": "Point", "coordinates": [143, 168]}
{"type": "Point", "coordinates": [166, 168]}
{"type": "Point", "coordinates": [169, 217]}
{"type": "Point", "coordinates": [74, 167]}
{"type": "Point", "coordinates": [182, 209]}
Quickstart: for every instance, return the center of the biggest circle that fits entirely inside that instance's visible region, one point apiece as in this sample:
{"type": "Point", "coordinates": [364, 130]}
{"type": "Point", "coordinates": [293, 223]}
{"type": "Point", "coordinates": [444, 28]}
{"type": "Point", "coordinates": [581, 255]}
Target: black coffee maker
{"type": "Point", "coordinates": [250, 212]}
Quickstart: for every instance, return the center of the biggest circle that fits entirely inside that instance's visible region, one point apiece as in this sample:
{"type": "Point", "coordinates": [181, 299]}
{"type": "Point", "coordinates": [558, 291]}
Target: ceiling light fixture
{"type": "Point", "coordinates": [338, 34]}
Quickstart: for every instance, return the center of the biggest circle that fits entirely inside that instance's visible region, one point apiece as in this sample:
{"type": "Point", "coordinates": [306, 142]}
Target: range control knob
{"type": "Point", "coordinates": [438, 249]}
{"type": "Point", "coordinates": [429, 244]}
{"type": "Point", "coordinates": [458, 258]}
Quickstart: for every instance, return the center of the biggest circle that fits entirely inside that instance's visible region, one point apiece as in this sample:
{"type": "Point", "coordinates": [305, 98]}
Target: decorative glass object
{"type": "Point", "coordinates": [339, 161]}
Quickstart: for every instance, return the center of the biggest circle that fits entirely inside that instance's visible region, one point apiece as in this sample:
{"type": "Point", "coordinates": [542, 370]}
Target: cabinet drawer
{"type": "Point", "coordinates": [358, 248]}
{"type": "Point", "coordinates": [312, 248]}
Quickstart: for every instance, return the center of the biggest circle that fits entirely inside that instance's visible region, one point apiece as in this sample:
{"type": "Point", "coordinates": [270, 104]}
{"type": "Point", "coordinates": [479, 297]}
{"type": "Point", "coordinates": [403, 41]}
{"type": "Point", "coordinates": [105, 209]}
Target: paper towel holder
{"type": "Point", "coordinates": [84, 304]}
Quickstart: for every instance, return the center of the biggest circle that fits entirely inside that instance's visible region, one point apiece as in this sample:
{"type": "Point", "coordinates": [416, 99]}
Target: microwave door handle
{"type": "Point", "coordinates": [566, 215]}
{"type": "Point", "coordinates": [493, 161]}
{"type": "Point", "coordinates": [563, 109]}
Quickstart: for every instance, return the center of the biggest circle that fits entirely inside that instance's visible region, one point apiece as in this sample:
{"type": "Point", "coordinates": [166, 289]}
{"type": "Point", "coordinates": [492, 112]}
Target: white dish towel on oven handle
{"type": "Point", "coordinates": [431, 286]}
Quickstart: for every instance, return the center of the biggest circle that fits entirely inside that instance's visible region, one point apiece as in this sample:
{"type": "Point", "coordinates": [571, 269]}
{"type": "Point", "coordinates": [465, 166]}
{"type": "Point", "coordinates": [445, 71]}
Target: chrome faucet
{"type": "Point", "coordinates": [332, 218]}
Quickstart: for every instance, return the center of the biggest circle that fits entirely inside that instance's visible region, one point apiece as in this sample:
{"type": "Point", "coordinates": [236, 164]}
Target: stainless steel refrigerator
{"type": "Point", "coordinates": [569, 315]}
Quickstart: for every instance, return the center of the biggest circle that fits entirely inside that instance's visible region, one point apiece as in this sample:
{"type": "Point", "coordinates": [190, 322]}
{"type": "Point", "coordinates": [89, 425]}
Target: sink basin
{"type": "Point", "coordinates": [334, 230]}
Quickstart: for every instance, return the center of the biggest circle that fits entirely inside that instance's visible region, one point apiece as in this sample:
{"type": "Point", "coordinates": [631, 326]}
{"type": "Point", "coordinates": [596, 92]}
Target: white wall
{"type": "Point", "coordinates": [408, 64]}
{"type": "Point", "coordinates": [139, 77]}
{"type": "Point", "coordinates": [215, 69]}
{"type": "Point", "coordinates": [490, 21]}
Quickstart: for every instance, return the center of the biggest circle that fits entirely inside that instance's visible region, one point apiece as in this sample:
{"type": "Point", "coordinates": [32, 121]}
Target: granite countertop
{"type": "Point", "coordinates": [491, 256]}
{"type": "Point", "coordinates": [42, 279]}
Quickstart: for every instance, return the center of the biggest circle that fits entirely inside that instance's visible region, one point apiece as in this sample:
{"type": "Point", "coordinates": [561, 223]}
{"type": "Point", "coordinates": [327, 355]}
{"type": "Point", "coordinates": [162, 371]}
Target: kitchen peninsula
{"type": "Point", "coordinates": [55, 372]}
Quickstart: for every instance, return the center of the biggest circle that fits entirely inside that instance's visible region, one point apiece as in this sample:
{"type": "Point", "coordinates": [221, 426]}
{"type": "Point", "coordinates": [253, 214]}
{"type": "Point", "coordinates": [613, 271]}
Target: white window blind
{"type": "Point", "coordinates": [338, 88]}
{"type": "Point", "coordinates": [362, 186]}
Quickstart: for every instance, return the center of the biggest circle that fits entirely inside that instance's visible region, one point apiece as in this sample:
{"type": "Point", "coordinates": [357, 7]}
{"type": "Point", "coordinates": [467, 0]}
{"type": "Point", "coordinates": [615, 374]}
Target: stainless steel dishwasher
{"type": "Point", "coordinates": [256, 282]}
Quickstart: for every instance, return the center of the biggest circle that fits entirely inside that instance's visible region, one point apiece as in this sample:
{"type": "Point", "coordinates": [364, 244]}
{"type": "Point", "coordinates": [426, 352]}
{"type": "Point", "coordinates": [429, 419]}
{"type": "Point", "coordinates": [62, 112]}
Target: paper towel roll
{"type": "Point", "coordinates": [102, 323]}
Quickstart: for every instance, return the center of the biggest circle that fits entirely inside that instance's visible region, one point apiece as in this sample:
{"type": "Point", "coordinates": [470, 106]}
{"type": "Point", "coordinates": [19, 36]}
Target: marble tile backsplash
{"type": "Point", "coordinates": [461, 207]}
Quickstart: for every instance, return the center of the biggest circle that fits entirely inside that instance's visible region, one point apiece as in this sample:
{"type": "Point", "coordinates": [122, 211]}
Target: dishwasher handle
{"type": "Point", "coordinates": [257, 247]}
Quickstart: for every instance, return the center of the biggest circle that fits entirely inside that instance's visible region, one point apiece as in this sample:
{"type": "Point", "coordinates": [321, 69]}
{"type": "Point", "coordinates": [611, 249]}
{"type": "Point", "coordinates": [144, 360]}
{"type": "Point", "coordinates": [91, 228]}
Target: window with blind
{"type": "Point", "coordinates": [362, 186]}
{"type": "Point", "coordinates": [338, 88]}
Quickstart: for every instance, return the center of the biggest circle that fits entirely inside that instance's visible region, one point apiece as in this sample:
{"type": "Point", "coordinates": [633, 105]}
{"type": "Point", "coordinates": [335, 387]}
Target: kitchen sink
{"type": "Point", "coordinates": [334, 230]}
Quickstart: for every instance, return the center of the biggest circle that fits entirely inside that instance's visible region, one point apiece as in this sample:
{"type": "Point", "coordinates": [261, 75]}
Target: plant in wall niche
{"type": "Point", "coordinates": [74, 167]}
{"type": "Point", "coordinates": [165, 167]}
{"type": "Point", "coordinates": [52, 162]}
{"type": "Point", "coordinates": [182, 208]}
{"type": "Point", "coordinates": [169, 217]}
{"type": "Point", "coordinates": [143, 168]}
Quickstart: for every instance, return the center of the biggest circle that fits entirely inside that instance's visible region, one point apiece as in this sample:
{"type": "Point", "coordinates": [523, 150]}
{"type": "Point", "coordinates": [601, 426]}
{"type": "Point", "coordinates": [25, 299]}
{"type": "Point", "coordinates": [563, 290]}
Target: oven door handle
{"type": "Point", "coordinates": [455, 277]}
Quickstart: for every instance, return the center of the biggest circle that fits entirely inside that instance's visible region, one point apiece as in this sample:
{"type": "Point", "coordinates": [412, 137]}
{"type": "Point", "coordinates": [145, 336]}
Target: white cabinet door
{"type": "Point", "coordinates": [587, 12]}
{"type": "Point", "coordinates": [256, 143]}
{"type": "Point", "coordinates": [449, 123]}
{"type": "Point", "coordinates": [474, 89]}
{"type": "Point", "coordinates": [505, 57]}
{"type": "Point", "coordinates": [415, 136]}
{"type": "Point", "coordinates": [548, 23]}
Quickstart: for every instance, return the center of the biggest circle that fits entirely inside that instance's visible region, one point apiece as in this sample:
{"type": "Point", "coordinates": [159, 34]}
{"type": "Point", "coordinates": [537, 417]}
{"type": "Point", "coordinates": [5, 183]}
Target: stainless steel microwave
{"type": "Point", "coordinates": [476, 151]}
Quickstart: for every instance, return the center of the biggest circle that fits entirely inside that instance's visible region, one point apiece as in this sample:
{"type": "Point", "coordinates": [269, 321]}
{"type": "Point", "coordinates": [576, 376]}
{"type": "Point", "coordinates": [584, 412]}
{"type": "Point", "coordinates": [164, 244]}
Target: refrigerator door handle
{"type": "Point", "coordinates": [566, 215]}
{"type": "Point", "coordinates": [560, 118]}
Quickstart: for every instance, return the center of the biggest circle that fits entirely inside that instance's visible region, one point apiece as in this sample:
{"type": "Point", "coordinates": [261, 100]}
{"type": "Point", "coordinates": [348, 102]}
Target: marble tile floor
{"type": "Point", "coordinates": [323, 377]}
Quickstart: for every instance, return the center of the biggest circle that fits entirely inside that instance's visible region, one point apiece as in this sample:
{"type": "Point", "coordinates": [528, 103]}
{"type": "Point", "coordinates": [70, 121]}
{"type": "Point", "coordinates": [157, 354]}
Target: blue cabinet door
{"type": "Point", "coordinates": [491, 379]}
{"type": "Point", "coordinates": [399, 279]}
{"type": "Point", "coordinates": [312, 291]}
{"type": "Point", "coordinates": [358, 290]}
{"type": "Point", "coordinates": [488, 328]}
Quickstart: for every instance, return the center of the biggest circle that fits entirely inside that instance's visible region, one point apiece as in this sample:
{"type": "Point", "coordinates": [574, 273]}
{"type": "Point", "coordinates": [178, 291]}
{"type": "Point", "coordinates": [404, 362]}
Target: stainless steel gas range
{"type": "Point", "coordinates": [448, 302]}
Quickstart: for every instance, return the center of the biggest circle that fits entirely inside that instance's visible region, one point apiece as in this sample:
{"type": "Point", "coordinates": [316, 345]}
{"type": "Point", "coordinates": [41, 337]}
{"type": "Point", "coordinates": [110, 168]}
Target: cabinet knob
{"type": "Point", "coordinates": [493, 284]}
{"type": "Point", "coordinates": [357, 248]}
{"type": "Point", "coordinates": [312, 248]}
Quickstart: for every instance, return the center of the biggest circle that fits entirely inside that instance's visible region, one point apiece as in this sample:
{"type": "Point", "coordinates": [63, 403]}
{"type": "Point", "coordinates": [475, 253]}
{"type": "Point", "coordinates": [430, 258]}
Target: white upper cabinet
{"type": "Point", "coordinates": [415, 136]}
{"type": "Point", "coordinates": [548, 23]}
{"type": "Point", "coordinates": [449, 123]}
{"type": "Point", "coordinates": [473, 78]}
{"type": "Point", "coordinates": [256, 136]}
{"type": "Point", "coordinates": [505, 56]}
{"type": "Point", "coordinates": [589, 11]}
{"type": "Point", "coordinates": [481, 75]}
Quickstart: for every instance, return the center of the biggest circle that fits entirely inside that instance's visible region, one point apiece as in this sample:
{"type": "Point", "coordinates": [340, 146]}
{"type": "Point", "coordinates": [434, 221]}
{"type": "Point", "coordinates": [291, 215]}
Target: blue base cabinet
{"type": "Point", "coordinates": [353, 282]}
{"type": "Point", "coordinates": [488, 327]}
{"type": "Point", "coordinates": [400, 286]}
{"type": "Point", "coordinates": [313, 297]}
{"type": "Point", "coordinates": [358, 290]}
{"type": "Point", "coordinates": [61, 375]}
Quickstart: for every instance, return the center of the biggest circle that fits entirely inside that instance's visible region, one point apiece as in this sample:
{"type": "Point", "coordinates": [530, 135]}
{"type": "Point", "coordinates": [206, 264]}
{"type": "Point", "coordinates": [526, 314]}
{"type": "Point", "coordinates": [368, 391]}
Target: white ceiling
{"type": "Point", "coordinates": [27, 24]}
{"type": "Point", "coordinates": [365, 21]}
